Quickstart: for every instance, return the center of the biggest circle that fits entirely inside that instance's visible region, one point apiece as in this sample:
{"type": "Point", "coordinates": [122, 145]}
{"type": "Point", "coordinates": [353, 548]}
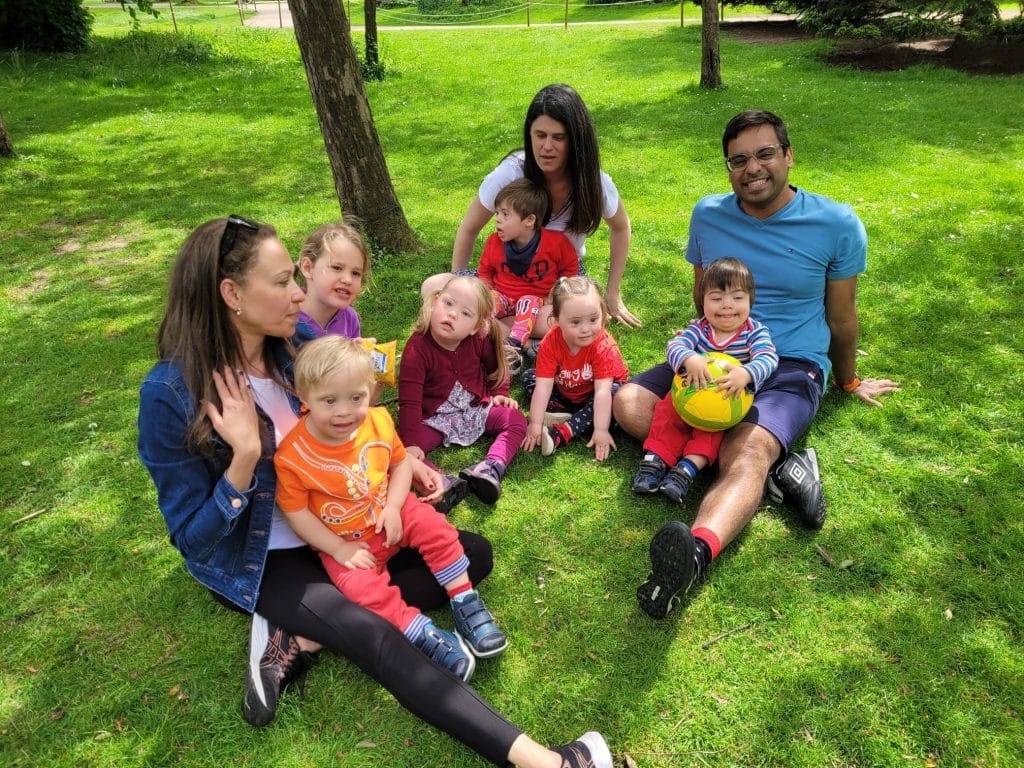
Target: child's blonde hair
{"type": "Point", "coordinates": [321, 358]}
{"type": "Point", "coordinates": [318, 244]}
{"type": "Point", "coordinates": [579, 285]}
{"type": "Point", "coordinates": [484, 311]}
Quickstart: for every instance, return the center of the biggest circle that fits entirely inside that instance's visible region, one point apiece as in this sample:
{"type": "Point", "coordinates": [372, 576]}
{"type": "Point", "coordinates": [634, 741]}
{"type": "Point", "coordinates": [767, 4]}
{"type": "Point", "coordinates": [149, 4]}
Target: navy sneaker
{"type": "Point", "coordinates": [484, 481]}
{"type": "Point", "coordinates": [648, 478]}
{"type": "Point", "coordinates": [796, 484]}
{"type": "Point", "coordinates": [676, 484]}
{"type": "Point", "coordinates": [672, 570]}
{"type": "Point", "coordinates": [475, 624]}
{"type": "Point", "coordinates": [588, 751]}
{"type": "Point", "coordinates": [275, 661]}
{"type": "Point", "coordinates": [447, 650]}
{"type": "Point", "coordinates": [455, 490]}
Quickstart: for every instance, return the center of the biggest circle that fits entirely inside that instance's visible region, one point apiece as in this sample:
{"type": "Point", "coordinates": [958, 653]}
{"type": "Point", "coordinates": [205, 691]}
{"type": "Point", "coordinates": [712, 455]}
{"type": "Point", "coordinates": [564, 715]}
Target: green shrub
{"type": "Point", "coordinates": [50, 26]}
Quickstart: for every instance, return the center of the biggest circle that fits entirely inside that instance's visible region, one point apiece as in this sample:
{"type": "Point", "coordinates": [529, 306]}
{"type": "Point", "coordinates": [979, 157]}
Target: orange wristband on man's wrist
{"type": "Point", "coordinates": [851, 386]}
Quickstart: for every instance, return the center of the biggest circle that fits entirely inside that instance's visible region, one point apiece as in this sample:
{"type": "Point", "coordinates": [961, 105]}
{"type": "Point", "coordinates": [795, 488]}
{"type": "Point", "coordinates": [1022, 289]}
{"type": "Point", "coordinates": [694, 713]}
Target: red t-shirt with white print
{"type": "Point", "coordinates": [574, 375]}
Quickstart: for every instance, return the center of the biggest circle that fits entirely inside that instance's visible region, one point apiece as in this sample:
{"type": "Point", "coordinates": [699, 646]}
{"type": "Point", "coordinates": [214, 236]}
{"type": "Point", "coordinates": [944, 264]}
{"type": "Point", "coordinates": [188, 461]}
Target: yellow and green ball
{"type": "Point", "coordinates": [705, 408]}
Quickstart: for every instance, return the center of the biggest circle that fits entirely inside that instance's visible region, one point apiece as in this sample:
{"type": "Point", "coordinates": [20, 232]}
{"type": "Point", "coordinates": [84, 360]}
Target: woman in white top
{"type": "Point", "coordinates": [560, 154]}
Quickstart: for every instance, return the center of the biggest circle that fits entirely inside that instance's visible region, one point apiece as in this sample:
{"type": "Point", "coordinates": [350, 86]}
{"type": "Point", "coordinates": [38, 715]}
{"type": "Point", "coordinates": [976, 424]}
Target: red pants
{"type": "Point", "coordinates": [671, 438]}
{"type": "Point", "coordinates": [424, 529]}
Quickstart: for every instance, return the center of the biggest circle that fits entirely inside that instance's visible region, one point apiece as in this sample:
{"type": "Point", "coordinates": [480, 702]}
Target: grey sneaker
{"type": "Point", "coordinates": [796, 484]}
{"type": "Point", "coordinates": [673, 569]}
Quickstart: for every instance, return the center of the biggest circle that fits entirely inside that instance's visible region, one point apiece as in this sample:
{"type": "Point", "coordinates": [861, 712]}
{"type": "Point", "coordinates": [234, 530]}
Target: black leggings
{"type": "Point", "coordinates": [297, 594]}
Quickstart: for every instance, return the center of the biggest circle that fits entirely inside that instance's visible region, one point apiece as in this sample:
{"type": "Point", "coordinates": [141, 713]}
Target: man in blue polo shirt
{"type": "Point", "coordinates": [805, 252]}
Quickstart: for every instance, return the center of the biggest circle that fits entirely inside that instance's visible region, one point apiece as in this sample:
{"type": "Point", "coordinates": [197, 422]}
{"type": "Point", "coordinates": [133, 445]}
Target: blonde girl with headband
{"type": "Point", "coordinates": [579, 368]}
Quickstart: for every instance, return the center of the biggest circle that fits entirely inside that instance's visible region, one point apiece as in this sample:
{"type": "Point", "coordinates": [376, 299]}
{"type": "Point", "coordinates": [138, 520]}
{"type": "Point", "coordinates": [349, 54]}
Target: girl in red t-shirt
{"type": "Point", "coordinates": [579, 368]}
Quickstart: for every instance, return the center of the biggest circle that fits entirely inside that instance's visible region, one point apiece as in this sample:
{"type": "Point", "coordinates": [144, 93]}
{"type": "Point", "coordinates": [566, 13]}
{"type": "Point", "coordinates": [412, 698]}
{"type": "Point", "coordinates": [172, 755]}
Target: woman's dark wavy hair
{"type": "Point", "coordinates": [562, 103]}
{"type": "Point", "coordinates": [197, 333]}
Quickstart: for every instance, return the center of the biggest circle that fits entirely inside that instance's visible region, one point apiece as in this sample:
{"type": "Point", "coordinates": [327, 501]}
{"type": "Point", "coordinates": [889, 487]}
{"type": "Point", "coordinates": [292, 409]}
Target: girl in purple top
{"type": "Point", "coordinates": [334, 261]}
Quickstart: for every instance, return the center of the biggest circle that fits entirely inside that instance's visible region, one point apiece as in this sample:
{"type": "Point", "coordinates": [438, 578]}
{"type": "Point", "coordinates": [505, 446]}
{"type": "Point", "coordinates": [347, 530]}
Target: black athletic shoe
{"type": "Point", "coordinates": [275, 661]}
{"type": "Point", "coordinates": [676, 484]}
{"type": "Point", "coordinates": [648, 478]}
{"type": "Point", "coordinates": [796, 484]}
{"type": "Point", "coordinates": [588, 751]}
{"type": "Point", "coordinates": [455, 490]}
{"type": "Point", "coordinates": [673, 569]}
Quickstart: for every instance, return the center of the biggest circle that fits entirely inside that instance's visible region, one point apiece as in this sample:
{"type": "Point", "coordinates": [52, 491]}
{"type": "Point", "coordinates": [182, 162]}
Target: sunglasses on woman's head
{"type": "Point", "coordinates": [227, 239]}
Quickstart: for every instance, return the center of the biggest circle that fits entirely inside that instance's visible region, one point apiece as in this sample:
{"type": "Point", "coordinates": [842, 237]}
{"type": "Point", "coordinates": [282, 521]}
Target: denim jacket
{"type": "Point", "coordinates": [221, 531]}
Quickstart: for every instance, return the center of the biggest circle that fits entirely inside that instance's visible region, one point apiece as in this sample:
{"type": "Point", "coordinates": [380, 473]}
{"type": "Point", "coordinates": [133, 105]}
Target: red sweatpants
{"type": "Point", "coordinates": [424, 529]}
{"type": "Point", "coordinates": [671, 438]}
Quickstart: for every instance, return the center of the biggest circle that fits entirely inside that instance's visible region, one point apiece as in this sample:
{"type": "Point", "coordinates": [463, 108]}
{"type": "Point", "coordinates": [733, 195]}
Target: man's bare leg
{"type": "Point", "coordinates": [633, 409]}
{"type": "Point", "coordinates": [679, 555]}
{"type": "Point", "coordinates": [747, 454]}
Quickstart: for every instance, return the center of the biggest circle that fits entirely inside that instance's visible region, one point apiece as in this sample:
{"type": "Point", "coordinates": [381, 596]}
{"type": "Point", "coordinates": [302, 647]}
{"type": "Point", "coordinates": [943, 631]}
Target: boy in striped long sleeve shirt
{"type": "Point", "coordinates": [675, 452]}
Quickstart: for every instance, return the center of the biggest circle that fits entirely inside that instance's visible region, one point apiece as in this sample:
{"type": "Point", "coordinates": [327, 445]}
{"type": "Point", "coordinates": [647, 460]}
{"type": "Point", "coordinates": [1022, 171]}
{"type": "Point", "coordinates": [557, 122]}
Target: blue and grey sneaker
{"type": "Point", "coordinates": [796, 484]}
{"type": "Point", "coordinates": [588, 751]}
{"type": "Point", "coordinates": [676, 484]}
{"type": "Point", "coordinates": [673, 570]}
{"type": "Point", "coordinates": [475, 624]}
{"type": "Point", "coordinates": [447, 650]}
{"type": "Point", "coordinates": [650, 474]}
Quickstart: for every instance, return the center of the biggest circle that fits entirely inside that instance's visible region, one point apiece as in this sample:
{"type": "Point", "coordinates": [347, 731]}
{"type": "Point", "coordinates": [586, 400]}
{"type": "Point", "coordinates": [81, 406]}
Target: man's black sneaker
{"type": "Point", "coordinates": [275, 661]}
{"type": "Point", "coordinates": [588, 751]}
{"type": "Point", "coordinates": [796, 484]}
{"type": "Point", "coordinates": [676, 484]}
{"type": "Point", "coordinates": [455, 490]}
{"type": "Point", "coordinates": [672, 570]}
{"type": "Point", "coordinates": [650, 474]}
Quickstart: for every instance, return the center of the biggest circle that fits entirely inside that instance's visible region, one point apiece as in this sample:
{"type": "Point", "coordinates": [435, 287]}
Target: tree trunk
{"type": "Point", "coordinates": [710, 66]}
{"type": "Point", "coordinates": [370, 23]}
{"type": "Point", "coordinates": [6, 147]}
{"type": "Point", "coordinates": [361, 177]}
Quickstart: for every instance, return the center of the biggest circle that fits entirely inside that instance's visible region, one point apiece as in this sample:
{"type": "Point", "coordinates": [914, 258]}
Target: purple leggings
{"type": "Point", "coordinates": [508, 424]}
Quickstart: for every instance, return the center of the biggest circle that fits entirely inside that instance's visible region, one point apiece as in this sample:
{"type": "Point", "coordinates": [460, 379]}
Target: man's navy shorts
{"type": "Point", "coordinates": [785, 405]}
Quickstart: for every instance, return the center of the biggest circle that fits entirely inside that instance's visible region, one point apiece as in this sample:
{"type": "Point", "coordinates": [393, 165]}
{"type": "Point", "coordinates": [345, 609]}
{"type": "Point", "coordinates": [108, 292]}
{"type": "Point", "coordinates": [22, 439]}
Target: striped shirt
{"type": "Point", "coordinates": [751, 345]}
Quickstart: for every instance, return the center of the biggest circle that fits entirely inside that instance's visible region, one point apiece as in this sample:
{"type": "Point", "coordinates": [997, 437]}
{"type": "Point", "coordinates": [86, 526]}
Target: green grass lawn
{"type": "Point", "coordinates": [890, 638]}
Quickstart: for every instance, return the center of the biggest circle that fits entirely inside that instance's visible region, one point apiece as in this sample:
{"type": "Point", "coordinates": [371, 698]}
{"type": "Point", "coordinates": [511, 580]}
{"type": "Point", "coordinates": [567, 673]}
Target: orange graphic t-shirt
{"type": "Point", "coordinates": [346, 485]}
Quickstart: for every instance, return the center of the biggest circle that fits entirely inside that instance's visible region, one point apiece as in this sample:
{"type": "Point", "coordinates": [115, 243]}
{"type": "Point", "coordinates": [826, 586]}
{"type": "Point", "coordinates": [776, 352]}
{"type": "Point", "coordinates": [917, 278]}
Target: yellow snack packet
{"type": "Point", "coordinates": [383, 360]}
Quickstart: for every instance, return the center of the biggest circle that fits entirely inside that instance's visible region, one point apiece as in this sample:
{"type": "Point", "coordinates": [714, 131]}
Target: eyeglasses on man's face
{"type": "Point", "coordinates": [235, 222]}
{"type": "Point", "coordinates": [765, 155]}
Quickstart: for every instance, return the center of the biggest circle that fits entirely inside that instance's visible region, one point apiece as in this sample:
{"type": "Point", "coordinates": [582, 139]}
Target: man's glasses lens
{"type": "Point", "coordinates": [764, 155]}
{"type": "Point", "coordinates": [227, 240]}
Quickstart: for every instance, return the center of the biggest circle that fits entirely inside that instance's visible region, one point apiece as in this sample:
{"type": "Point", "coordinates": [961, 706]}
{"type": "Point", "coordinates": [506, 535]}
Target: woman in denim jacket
{"type": "Point", "coordinates": [211, 413]}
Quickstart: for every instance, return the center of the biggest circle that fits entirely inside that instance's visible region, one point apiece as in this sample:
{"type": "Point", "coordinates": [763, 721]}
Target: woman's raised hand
{"type": "Point", "coordinates": [236, 421]}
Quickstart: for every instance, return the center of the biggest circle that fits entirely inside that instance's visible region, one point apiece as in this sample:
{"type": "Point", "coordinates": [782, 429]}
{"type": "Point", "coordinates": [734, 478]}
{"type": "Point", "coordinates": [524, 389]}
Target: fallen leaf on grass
{"type": "Point", "coordinates": [720, 699]}
{"type": "Point", "coordinates": [845, 564]}
{"type": "Point", "coordinates": [57, 714]}
{"type": "Point", "coordinates": [366, 745]}
{"type": "Point", "coordinates": [628, 760]}
{"type": "Point", "coordinates": [948, 614]}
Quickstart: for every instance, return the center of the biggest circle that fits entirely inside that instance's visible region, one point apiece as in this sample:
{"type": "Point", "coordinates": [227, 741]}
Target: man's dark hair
{"type": "Point", "coordinates": [752, 118]}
